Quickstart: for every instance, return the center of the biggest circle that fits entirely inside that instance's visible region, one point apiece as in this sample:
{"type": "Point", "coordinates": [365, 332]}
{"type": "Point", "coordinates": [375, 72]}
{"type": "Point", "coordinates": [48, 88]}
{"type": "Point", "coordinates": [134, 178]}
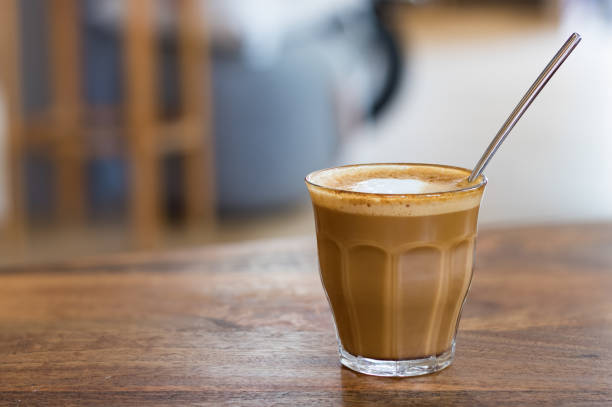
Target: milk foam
{"type": "Point", "coordinates": [400, 186]}
{"type": "Point", "coordinates": [395, 189]}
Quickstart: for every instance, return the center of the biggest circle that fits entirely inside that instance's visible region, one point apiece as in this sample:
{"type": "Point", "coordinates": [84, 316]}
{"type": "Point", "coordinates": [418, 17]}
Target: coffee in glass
{"type": "Point", "coordinates": [396, 246]}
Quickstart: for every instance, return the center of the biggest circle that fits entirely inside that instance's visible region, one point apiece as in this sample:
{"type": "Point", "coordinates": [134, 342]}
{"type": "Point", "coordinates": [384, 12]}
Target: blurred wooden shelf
{"type": "Point", "coordinates": [172, 136]}
{"type": "Point", "coordinates": [70, 131]}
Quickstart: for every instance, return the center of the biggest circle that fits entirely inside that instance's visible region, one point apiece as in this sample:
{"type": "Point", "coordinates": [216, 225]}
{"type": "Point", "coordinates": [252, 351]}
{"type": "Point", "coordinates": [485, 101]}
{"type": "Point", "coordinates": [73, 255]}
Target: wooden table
{"type": "Point", "coordinates": [249, 325]}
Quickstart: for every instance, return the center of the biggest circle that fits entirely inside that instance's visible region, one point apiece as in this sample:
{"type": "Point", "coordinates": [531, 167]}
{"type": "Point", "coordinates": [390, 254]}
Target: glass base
{"type": "Point", "coordinates": [397, 368]}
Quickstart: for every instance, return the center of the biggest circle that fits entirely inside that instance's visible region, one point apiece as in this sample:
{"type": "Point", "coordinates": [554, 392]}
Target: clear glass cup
{"type": "Point", "coordinates": [396, 268]}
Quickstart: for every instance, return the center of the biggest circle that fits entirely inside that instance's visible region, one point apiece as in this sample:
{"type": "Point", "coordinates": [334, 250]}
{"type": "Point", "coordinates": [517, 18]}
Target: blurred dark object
{"type": "Point", "coordinates": [288, 91]}
{"type": "Point", "coordinates": [394, 58]}
{"type": "Point", "coordinates": [273, 125]}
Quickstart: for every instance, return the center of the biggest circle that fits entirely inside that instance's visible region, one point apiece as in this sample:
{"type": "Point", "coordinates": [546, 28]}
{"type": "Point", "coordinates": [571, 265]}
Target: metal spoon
{"type": "Point", "coordinates": [522, 106]}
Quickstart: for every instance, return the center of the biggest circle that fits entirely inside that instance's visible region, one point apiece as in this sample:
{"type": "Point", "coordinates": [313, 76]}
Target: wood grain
{"type": "Point", "coordinates": [249, 325]}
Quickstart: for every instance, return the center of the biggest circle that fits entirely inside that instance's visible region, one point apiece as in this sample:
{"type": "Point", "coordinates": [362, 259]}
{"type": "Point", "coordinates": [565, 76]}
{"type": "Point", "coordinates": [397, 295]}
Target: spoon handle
{"type": "Point", "coordinates": [531, 94]}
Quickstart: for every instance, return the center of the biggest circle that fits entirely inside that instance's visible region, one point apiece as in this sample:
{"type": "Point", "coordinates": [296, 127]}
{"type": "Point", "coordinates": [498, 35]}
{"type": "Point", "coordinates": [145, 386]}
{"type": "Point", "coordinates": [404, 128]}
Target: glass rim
{"type": "Point", "coordinates": [309, 181]}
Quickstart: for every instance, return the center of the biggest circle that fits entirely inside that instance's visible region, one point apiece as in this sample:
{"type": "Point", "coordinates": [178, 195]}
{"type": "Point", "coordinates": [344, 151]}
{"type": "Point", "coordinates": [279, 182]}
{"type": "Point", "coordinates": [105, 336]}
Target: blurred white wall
{"type": "Point", "coordinates": [466, 71]}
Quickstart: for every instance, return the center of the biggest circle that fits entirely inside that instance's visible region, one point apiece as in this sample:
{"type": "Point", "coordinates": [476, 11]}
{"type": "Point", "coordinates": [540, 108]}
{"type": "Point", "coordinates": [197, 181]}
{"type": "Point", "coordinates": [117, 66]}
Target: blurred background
{"type": "Point", "coordinates": [153, 124]}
